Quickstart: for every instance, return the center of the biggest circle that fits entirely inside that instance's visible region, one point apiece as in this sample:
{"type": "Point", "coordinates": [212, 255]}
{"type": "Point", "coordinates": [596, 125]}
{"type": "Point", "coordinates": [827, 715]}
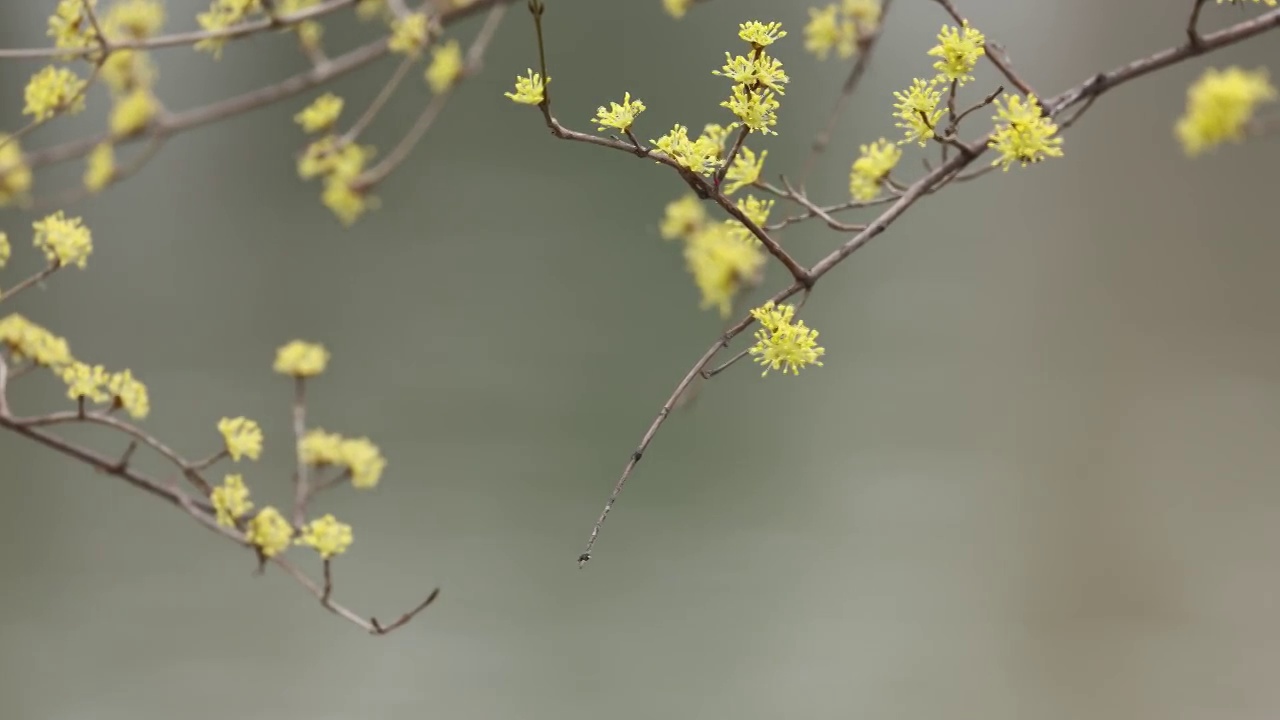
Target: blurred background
{"type": "Point", "coordinates": [1037, 477]}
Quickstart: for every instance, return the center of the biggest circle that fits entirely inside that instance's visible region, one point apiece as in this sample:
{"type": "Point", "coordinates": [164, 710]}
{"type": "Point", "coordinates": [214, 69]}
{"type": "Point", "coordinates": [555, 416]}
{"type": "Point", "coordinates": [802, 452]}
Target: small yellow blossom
{"type": "Point", "coordinates": [330, 155]}
{"type": "Point", "coordinates": [408, 34]}
{"type": "Point", "coordinates": [319, 448]}
{"type": "Point", "coordinates": [759, 34]}
{"type": "Point", "coordinates": [958, 50]}
{"type": "Point", "coordinates": [871, 167]}
{"type": "Point", "coordinates": [714, 134]}
{"type": "Point", "coordinates": [365, 462]}
{"type": "Point", "coordinates": [242, 436]}
{"type": "Point", "coordinates": [1026, 136]}
{"type": "Point", "coordinates": [230, 500]}
{"type": "Point", "coordinates": [446, 66]}
{"type": "Point", "coordinates": [126, 70]}
{"type": "Point", "coordinates": [864, 13]}
{"type": "Point", "coordinates": [137, 19]}
{"type": "Point", "coordinates": [321, 114]}
{"type": "Point", "coordinates": [28, 341]}
{"type": "Point", "coordinates": [15, 174]}
{"type": "Point", "coordinates": [1220, 105]}
{"type": "Point", "coordinates": [758, 71]}
{"type": "Point", "coordinates": [701, 156]}
{"type": "Point", "coordinates": [53, 90]}
{"type": "Point", "coordinates": [683, 217]}
{"type": "Point", "coordinates": [132, 113]}
{"type": "Point", "coordinates": [676, 8]}
{"type": "Point", "coordinates": [754, 108]}
{"type": "Point", "coordinates": [221, 15]}
{"type": "Point", "coordinates": [373, 9]}
{"type": "Point", "coordinates": [530, 90]}
{"type": "Point", "coordinates": [86, 381]}
{"type": "Point", "coordinates": [327, 536]}
{"type": "Point", "coordinates": [721, 265]}
{"type": "Point", "coordinates": [781, 345]}
{"type": "Point", "coordinates": [346, 201]}
{"type": "Point", "coordinates": [5, 249]}
{"type": "Point", "coordinates": [828, 31]}
{"type": "Point", "coordinates": [301, 359]}
{"type": "Point", "coordinates": [619, 116]}
{"type": "Point", "coordinates": [64, 241]}
{"type": "Point", "coordinates": [100, 167]}
{"type": "Point", "coordinates": [744, 171]}
{"type": "Point", "coordinates": [269, 531]}
{"type": "Point", "coordinates": [70, 26]}
{"type": "Point", "coordinates": [756, 210]}
{"type": "Point", "coordinates": [917, 111]}
{"type": "Point", "coordinates": [128, 393]}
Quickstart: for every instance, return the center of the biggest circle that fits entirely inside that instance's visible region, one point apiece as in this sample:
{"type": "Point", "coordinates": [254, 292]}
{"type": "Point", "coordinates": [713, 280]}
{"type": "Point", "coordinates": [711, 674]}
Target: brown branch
{"type": "Point", "coordinates": [920, 188]}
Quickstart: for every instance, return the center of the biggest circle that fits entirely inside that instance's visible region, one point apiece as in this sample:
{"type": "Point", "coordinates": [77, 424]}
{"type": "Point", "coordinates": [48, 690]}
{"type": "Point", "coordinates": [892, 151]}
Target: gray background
{"type": "Point", "coordinates": [1036, 478]}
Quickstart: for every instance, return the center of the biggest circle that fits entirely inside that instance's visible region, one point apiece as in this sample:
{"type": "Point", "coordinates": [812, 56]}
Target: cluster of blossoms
{"type": "Point", "coordinates": [782, 343]}
{"type": "Point", "coordinates": [360, 461]}
{"type": "Point", "coordinates": [1023, 132]}
{"type": "Point", "coordinates": [336, 158]}
{"type": "Point", "coordinates": [128, 74]}
{"type": "Point", "coordinates": [65, 242]}
{"type": "Point", "coordinates": [840, 26]}
{"type": "Point", "coordinates": [1220, 106]}
{"type": "Point", "coordinates": [723, 257]}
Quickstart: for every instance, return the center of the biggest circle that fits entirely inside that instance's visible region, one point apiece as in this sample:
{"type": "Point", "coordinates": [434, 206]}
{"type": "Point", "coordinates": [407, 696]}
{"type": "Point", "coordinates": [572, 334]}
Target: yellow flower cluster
{"type": "Point", "coordinates": [269, 531]}
{"type": "Point", "coordinates": [335, 159]}
{"type": "Point", "coordinates": [723, 257]}
{"type": "Point", "coordinates": [409, 34]}
{"type": "Point", "coordinates": [242, 437]}
{"type": "Point", "coordinates": [1026, 135]}
{"type": "Point", "coordinates": [301, 359]}
{"type": "Point", "coordinates": [530, 90]}
{"type": "Point", "coordinates": [230, 500]}
{"type": "Point", "coordinates": [758, 78]}
{"type": "Point", "coordinates": [15, 174]}
{"type": "Point", "coordinates": [958, 50]}
{"type": "Point", "coordinates": [839, 26]}
{"type": "Point", "coordinates": [65, 241]}
{"type": "Point", "coordinates": [446, 66]}
{"type": "Point", "coordinates": [53, 90]}
{"type": "Point", "coordinates": [619, 116]}
{"type": "Point", "coordinates": [870, 169]}
{"type": "Point", "coordinates": [223, 14]}
{"type": "Point", "coordinates": [326, 536]}
{"type": "Point", "coordinates": [27, 341]}
{"type": "Point", "coordinates": [1219, 107]}
{"type": "Point", "coordinates": [361, 459]}
{"type": "Point", "coordinates": [782, 344]}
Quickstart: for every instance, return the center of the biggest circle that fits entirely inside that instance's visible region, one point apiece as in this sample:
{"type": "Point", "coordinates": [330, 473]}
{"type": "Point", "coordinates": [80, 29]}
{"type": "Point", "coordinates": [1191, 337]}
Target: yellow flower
{"type": "Point", "coordinates": [1027, 136]}
{"type": "Point", "coordinates": [242, 437]}
{"type": "Point", "coordinates": [754, 108]}
{"type": "Point", "coordinates": [619, 116]}
{"type": "Point", "coordinates": [701, 156]}
{"type": "Point", "coordinates": [70, 26]}
{"type": "Point", "coordinates": [269, 531]}
{"type": "Point", "coordinates": [744, 171]}
{"type": "Point", "coordinates": [136, 19]}
{"type": "Point", "coordinates": [446, 66]}
{"type": "Point", "coordinates": [221, 15]}
{"type": "Point", "coordinates": [759, 34]}
{"type": "Point", "coordinates": [86, 381]}
{"type": "Point", "coordinates": [5, 249]}
{"type": "Point", "coordinates": [100, 168]}
{"type": "Point", "coordinates": [683, 217]}
{"type": "Point", "coordinates": [959, 50]}
{"type": "Point", "coordinates": [864, 13]}
{"type": "Point", "coordinates": [15, 174]}
{"type": "Point", "coordinates": [827, 31]}
{"type": "Point", "coordinates": [130, 394]}
{"type": "Point", "coordinates": [721, 265]}
{"type": "Point", "coordinates": [126, 70]}
{"type": "Point", "coordinates": [344, 200]}
{"type": "Point", "coordinates": [530, 90]}
{"type": "Point", "coordinates": [676, 8]}
{"type": "Point", "coordinates": [781, 345]}
{"type": "Point", "coordinates": [64, 241]}
{"type": "Point", "coordinates": [29, 341]}
{"type": "Point", "coordinates": [871, 167]}
{"type": "Point", "coordinates": [327, 536]}
{"type": "Point", "coordinates": [918, 110]}
{"type": "Point", "coordinates": [1220, 105]}
{"type": "Point", "coordinates": [321, 114]}
{"type": "Point", "coordinates": [301, 359]}
{"type": "Point", "coordinates": [230, 500]}
{"type": "Point", "coordinates": [365, 462]}
{"type": "Point", "coordinates": [132, 113]}
{"type": "Point", "coordinates": [408, 34]}
{"type": "Point", "coordinates": [53, 90]}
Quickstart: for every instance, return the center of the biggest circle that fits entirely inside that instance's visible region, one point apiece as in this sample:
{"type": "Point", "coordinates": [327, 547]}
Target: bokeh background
{"type": "Point", "coordinates": [1037, 477]}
